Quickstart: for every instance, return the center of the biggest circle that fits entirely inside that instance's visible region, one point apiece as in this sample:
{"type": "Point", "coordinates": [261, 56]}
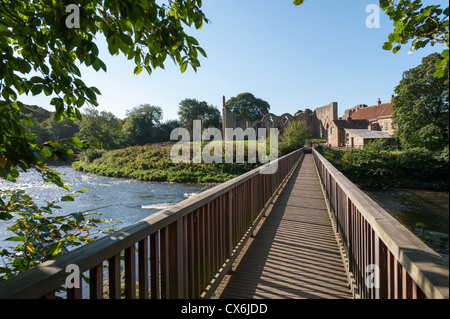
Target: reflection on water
{"type": "Point", "coordinates": [127, 200]}
{"type": "Point", "coordinates": [418, 209]}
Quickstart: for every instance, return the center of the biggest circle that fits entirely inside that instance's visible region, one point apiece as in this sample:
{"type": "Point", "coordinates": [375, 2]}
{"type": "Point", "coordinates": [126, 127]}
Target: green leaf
{"type": "Point", "coordinates": [387, 46]}
{"type": "Point", "coordinates": [55, 248]}
{"type": "Point", "coordinates": [47, 153]}
{"type": "Point", "coordinates": [74, 141]}
{"type": "Point", "coordinates": [67, 198]}
{"type": "Point", "coordinates": [17, 238]}
{"type": "Point", "coordinates": [183, 66]}
{"type": "Point", "coordinates": [138, 69]}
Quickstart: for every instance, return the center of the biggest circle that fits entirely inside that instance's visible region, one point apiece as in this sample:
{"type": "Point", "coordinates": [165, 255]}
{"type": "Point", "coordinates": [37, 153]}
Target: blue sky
{"type": "Point", "coordinates": [294, 57]}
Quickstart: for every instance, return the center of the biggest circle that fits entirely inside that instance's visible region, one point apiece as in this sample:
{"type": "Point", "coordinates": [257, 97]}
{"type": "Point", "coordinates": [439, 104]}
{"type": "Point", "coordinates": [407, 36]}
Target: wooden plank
{"type": "Point", "coordinates": [294, 254]}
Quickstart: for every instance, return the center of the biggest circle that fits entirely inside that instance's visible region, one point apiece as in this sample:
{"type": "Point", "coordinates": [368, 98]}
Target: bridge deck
{"type": "Point", "coordinates": [294, 254]}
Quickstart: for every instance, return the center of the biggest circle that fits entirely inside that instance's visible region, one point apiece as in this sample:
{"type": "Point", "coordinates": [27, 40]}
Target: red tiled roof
{"type": "Point", "coordinates": [354, 124]}
{"type": "Point", "coordinates": [373, 112]}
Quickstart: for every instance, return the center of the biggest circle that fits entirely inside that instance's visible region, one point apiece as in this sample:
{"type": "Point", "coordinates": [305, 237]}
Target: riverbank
{"type": "Point", "coordinates": [153, 163]}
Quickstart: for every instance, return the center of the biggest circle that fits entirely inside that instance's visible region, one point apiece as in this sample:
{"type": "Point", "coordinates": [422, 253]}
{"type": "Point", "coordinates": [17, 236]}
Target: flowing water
{"type": "Point", "coordinates": [424, 212]}
{"type": "Point", "coordinates": [118, 199]}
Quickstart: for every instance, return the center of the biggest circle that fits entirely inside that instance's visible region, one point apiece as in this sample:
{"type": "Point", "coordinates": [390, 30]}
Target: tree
{"type": "Point", "coordinates": [164, 129]}
{"type": "Point", "coordinates": [423, 25]}
{"type": "Point", "coordinates": [102, 127]}
{"type": "Point", "coordinates": [192, 109]}
{"type": "Point", "coordinates": [40, 49]}
{"type": "Point", "coordinates": [413, 21]}
{"type": "Point", "coordinates": [139, 126]}
{"type": "Point", "coordinates": [248, 106]}
{"type": "Point", "coordinates": [420, 109]}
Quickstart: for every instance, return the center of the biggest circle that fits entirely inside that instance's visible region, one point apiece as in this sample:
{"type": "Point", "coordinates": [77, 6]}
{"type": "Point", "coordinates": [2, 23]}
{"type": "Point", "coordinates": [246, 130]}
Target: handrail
{"type": "Point", "coordinates": [175, 253]}
{"type": "Point", "coordinates": [371, 236]}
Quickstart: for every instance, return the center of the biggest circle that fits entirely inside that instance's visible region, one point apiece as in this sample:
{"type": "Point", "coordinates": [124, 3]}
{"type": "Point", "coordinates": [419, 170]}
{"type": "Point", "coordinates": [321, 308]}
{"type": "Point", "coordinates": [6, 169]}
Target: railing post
{"type": "Point", "coordinates": [175, 260]}
{"type": "Point", "coordinates": [154, 266]}
{"type": "Point", "coordinates": [230, 223]}
{"type": "Point", "coordinates": [114, 277]}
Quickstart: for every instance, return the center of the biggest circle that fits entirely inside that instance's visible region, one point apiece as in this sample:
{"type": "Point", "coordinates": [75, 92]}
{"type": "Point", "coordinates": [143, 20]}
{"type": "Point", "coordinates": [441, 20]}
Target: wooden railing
{"type": "Point", "coordinates": [180, 252]}
{"type": "Point", "coordinates": [406, 267]}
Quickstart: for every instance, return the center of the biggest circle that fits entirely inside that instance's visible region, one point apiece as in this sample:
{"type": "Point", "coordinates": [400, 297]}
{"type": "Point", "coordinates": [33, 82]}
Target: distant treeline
{"type": "Point", "coordinates": [142, 125]}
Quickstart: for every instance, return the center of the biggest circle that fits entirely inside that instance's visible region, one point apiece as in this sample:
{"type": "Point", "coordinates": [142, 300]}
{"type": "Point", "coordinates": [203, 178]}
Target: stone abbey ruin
{"type": "Point", "coordinates": [317, 121]}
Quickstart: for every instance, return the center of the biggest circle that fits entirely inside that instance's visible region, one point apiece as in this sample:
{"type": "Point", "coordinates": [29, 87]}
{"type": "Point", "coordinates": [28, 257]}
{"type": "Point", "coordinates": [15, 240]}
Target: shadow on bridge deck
{"type": "Point", "coordinates": [294, 254]}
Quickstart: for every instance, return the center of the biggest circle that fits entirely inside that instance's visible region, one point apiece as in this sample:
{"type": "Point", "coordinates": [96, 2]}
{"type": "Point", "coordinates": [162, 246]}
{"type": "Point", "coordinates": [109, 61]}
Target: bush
{"type": "Point", "coordinates": [293, 138]}
{"type": "Point", "coordinates": [379, 164]}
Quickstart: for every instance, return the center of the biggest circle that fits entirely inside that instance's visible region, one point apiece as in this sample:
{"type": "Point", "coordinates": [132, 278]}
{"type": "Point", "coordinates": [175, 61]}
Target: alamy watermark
{"type": "Point", "coordinates": [73, 280]}
{"type": "Point", "coordinates": [73, 19]}
{"type": "Point", "coordinates": [372, 276]}
{"type": "Point", "coordinates": [256, 140]}
{"type": "Point", "coordinates": [373, 19]}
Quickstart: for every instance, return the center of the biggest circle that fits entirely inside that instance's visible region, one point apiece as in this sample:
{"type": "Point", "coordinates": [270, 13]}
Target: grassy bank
{"type": "Point", "coordinates": [153, 163]}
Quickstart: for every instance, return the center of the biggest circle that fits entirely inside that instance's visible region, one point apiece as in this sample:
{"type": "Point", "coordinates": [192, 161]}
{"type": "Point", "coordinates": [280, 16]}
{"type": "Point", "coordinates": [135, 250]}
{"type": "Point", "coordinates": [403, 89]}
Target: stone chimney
{"type": "Point", "coordinates": [379, 101]}
{"type": "Point", "coordinates": [392, 97]}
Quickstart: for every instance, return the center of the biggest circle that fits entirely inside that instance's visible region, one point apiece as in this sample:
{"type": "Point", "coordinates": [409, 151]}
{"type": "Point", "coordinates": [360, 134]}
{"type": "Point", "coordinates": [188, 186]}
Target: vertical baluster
{"type": "Point", "coordinates": [382, 263]}
{"type": "Point", "coordinates": [96, 282]}
{"type": "Point", "coordinates": [220, 214]}
{"type": "Point", "coordinates": [76, 293]}
{"type": "Point", "coordinates": [208, 250]}
{"type": "Point", "coordinates": [229, 223]}
{"type": "Point", "coordinates": [197, 255]}
{"type": "Point", "coordinates": [154, 266]}
{"type": "Point", "coordinates": [391, 276]}
{"type": "Point", "coordinates": [114, 277]}
{"type": "Point", "coordinates": [130, 273]}
{"type": "Point", "coordinates": [164, 251]}
{"type": "Point", "coordinates": [397, 278]}
{"type": "Point", "coordinates": [175, 260]}
{"type": "Point", "coordinates": [191, 283]}
{"type": "Point", "coordinates": [143, 268]}
{"type": "Point", "coordinates": [407, 285]}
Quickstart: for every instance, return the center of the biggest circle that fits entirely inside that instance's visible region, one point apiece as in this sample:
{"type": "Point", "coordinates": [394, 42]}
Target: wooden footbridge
{"type": "Point", "coordinates": [294, 228]}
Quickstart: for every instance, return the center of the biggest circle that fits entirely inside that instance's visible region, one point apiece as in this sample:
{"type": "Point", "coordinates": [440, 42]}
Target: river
{"type": "Point", "coordinates": [128, 200]}
{"type": "Point", "coordinates": [424, 212]}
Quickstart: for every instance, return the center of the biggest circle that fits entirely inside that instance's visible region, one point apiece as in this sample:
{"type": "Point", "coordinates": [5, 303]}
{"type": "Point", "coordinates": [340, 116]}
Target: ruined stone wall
{"type": "Point", "coordinates": [324, 116]}
{"type": "Point", "coordinates": [317, 122]}
{"type": "Point", "coordinates": [349, 112]}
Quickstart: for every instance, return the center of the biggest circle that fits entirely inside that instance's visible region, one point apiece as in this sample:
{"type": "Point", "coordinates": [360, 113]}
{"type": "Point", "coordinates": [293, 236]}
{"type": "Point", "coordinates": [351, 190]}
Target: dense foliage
{"type": "Point", "coordinates": [40, 48]}
{"type": "Point", "coordinates": [153, 163]}
{"type": "Point", "coordinates": [39, 233]}
{"type": "Point", "coordinates": [293, 138]}
{"type": "Point", "coordinates": [248, 106]}
{"type": "Point", "coordinates": [39, 53]}
{"type": "Point", "coordinates": [192, 109]}
{"type": "Point", "coordinates": [421, 107]}
{"type": "Point", "coordinates": [382, 165]}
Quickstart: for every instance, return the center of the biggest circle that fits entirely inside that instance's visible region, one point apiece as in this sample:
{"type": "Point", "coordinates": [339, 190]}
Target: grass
{"type": "Point", "coordinates": [153, 163]}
